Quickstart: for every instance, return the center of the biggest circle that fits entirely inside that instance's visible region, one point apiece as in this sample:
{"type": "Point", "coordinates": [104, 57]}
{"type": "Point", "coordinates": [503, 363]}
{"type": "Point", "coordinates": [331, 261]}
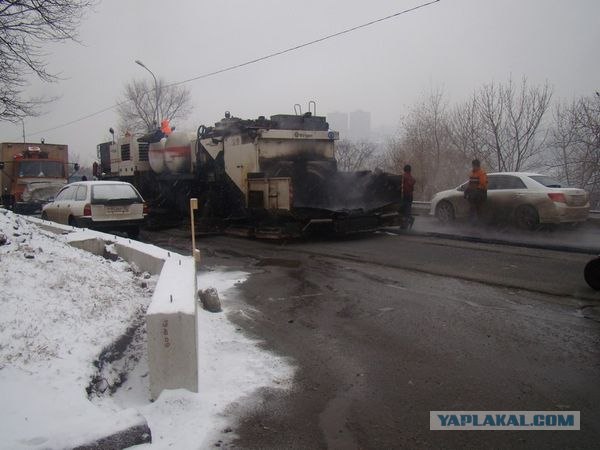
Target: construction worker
{"type": "Point", "coordinates": [408, 187]}
{"type": "Point", "coordinates": [165, 127]}
{"type": "Point", "coordinates": [476, 191]}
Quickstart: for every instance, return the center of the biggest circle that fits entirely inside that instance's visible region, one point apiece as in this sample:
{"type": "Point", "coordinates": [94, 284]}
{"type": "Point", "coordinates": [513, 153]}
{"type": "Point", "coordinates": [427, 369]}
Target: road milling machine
{"type": "Point", "coordinates": [269, 178]}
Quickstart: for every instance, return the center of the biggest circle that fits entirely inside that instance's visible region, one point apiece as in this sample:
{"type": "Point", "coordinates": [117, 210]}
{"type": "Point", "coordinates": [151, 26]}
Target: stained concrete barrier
{"type": "Point", "coordinates": [146, 261]}
{"type": "Point", "coordinates": [93, 245]}
{"type": "Point", "coordinates": [172, 322]}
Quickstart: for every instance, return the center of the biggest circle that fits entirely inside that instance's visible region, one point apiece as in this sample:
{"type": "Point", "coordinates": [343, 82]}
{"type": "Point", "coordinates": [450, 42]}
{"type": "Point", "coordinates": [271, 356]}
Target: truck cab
{"type": "Point", "coordinates": [31, 174]}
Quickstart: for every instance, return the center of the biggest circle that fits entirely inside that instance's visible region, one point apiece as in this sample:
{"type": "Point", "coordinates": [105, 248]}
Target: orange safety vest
{"type": "Point", "coordinates": [478, 180]}
{"type": "Point", "coordinates": [165, 127]}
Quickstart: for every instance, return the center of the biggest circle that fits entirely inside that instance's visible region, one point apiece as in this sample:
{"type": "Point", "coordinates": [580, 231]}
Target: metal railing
{"type": "Point", "coordinates": [421, 208]}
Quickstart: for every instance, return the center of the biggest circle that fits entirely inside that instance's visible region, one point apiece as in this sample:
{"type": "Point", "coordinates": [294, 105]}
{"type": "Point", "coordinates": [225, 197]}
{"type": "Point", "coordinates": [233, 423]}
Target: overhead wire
{"type": "Point", "coordinates": [306, 44]}
{"type": "Point", "coordinates": [249, 62]}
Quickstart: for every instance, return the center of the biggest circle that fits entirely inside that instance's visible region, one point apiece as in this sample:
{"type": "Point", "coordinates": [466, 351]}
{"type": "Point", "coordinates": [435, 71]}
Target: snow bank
{"type": "Point", "coordinates": [60, 307]}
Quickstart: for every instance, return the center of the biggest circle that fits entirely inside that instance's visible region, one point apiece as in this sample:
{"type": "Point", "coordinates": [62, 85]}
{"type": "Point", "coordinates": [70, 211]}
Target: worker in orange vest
{"type": "Point", "coordinates": [165, 127]}
{"type": "Point", "coordinates": [476, 191]}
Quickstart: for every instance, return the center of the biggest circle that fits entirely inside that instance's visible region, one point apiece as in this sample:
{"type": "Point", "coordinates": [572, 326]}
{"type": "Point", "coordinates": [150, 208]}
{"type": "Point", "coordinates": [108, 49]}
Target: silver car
{"type": "Point", "coordinates": [100, 205]}
{"type": "Point", "coordinates": [525, 199]}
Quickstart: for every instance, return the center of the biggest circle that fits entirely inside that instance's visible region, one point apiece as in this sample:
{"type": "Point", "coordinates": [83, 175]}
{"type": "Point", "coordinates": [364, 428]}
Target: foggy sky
{"type": "Point", "coordinates": [457, 45]}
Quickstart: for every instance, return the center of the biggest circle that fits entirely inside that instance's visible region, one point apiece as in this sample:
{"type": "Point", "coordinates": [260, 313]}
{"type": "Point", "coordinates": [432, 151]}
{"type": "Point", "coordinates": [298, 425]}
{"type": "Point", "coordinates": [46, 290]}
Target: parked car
{"type": "Point", "coordinates": [100, 205]}
{"type": "Point", "coordinates": [525, 199]}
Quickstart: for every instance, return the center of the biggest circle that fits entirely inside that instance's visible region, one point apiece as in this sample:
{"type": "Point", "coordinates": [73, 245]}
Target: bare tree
{"type": "Point", "coordinates": [25, 25]}
{"type": "Point", "coordinates": [466, 132]}
{"type": "Point", "coordinates": [576, 144]}
{"type": "Point", "coordinates": [352, 156]}
{"type": "Point", "coordinates": [137, 110]}
{"type": "Point", "coordinates": [425, 142]}
{"type": "Point", "coordinates": [433, 115]}
{"type": "Point", "coordinates": [510, 121]}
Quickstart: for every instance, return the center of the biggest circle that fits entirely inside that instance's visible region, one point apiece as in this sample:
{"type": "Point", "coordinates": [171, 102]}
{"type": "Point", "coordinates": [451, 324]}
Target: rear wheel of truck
{"type": "Point", "coordinates": [73, 221]}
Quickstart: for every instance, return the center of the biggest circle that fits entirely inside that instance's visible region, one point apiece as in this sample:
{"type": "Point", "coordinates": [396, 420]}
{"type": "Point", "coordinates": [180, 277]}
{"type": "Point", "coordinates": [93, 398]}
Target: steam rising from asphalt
{"type": "Point", "coordinates": [347, 191]}
{"type": "Point", "coordinates": [585, 237]}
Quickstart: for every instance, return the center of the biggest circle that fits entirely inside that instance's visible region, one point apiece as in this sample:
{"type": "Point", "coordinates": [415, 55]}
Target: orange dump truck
{"type": "Point", "coordinates": [31, 174]}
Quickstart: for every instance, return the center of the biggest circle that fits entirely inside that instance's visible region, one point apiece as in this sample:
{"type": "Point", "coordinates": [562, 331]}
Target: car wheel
{"type": "Point", "coordinates": [73, 221]}
{"type": "Point", "coordinates": [591, 273]}
{"type": "Point", "coordinates": [526, 218]}
{"type": "Point", "coordinates": [444, 212]}
{"type": "Point", "coordinates": [44, 215]}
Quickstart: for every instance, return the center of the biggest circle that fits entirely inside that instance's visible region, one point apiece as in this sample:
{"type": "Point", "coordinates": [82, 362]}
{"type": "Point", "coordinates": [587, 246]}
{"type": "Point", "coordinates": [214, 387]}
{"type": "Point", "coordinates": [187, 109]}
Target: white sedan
{"type": "Point", "coordinates": [525, 199]}
{"type": "Point", "coordinates": [100, 205]}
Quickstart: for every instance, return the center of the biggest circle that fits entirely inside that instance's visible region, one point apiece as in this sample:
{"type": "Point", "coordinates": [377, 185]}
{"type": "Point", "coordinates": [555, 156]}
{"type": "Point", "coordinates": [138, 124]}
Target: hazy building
{"type": "Point", "coordinates": [338, 121]}
{"type": "Point", "coordinates": [359, 125]}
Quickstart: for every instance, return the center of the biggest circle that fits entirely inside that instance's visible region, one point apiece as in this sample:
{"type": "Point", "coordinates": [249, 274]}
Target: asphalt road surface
{"type": "Point", "coordinates": [384, 328]}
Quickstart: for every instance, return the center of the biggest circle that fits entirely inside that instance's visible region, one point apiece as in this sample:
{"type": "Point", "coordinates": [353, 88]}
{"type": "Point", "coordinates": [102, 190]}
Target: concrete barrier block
{"type": "Point", "coordinates": [93, 245]}
{"type": "Point", "coordinates": [172, 328]}
{"type": "Point", "coordinates": [142, 258]}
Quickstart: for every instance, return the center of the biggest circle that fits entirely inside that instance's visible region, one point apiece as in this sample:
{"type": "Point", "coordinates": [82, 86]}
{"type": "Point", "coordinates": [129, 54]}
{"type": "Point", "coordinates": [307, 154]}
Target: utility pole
{"type": "Point", "coordinates": [23, 124]}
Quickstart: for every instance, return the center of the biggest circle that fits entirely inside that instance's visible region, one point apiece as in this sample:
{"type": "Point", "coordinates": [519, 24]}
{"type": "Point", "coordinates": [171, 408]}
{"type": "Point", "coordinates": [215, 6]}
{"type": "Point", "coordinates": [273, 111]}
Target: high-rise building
{"type": "Point", "coordinates": [359, 125]}
{"type": "Point", "coordinates": [338, 121]}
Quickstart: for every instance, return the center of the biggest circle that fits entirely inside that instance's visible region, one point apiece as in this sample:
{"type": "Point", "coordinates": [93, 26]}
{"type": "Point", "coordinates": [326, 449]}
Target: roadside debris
{"type": "Point", "coordinates": [210, 299]}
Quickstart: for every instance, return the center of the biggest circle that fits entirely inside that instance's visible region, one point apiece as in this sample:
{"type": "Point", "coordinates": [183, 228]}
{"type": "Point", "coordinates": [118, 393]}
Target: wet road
{"type": "Point", "coordinates": [384, 328]}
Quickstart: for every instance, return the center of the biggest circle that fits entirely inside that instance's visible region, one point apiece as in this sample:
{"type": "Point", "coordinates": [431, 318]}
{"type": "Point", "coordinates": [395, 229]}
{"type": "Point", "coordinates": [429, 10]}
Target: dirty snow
{"type": "Point", "coordinates": [231, 368]}
{"type": "Point", "coordinates": [62, 306]}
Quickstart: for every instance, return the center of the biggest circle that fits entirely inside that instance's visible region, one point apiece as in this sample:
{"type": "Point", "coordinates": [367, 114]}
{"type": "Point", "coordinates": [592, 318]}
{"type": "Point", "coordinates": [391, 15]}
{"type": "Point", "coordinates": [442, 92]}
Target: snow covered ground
{"type": "Point", "coordinates": [61, 307]}
{"type": "Point", "coordinates": [231, 368]}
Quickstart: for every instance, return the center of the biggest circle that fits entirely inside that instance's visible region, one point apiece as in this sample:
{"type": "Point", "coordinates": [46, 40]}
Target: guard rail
{"type": "Point", "coordinates": [422, 209]}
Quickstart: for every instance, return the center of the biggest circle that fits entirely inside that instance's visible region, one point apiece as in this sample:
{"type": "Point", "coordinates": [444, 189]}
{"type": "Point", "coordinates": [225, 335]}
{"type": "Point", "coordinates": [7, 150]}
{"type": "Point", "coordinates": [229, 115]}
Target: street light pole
{"type": "Point", "coordinates": [139, 63]}
{"type": "Point", "coordinates": [23, 124]}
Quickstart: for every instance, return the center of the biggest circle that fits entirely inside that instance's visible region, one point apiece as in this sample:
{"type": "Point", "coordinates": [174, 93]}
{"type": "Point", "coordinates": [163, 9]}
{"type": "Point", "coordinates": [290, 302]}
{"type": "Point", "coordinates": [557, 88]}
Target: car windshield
{"type": "Point", "coordinates": [106, 192]}
{"type": "Point", "coordinates": [41, 168]}
{"type": "Point", "coordinates": [547, 181]}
